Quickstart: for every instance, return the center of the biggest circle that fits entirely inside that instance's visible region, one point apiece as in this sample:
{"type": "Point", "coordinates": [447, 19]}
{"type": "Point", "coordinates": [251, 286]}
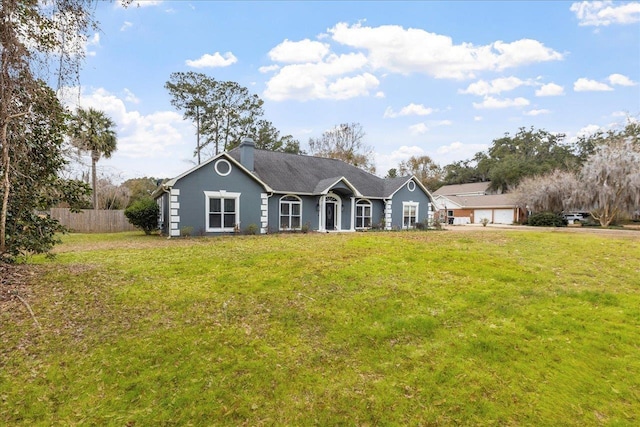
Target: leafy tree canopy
{"type": "Point", "coordinates": [267, 137]}
{"type": "Point", "coordinates": [33, 40]}
{"type": "Point", "coordinates": [140, 188]}
{"type": "Point", "coordinates": [35, 149]}
{"type": "Point", "coordinates": [510, 158]}
{"type": "Point", "coordinates": [224, 112]}
{"type": "Point", "coordinates": [607, 184]}
{"type": "Point", "coordinates": [93, 131]}
{"type": "Point", "coordinates": [425, 169]}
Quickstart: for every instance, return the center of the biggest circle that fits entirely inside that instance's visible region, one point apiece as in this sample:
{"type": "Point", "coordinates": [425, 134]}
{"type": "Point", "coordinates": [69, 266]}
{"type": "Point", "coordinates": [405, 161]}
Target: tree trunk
{"type": "Point", "coordinates": [94, 180]}
{"type": "Point", "coordinates": [198, 132]}
{"type": "Point", "coordinates": [6, 186]}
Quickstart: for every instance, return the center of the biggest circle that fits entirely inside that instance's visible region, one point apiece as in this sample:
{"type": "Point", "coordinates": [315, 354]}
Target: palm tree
{"type": "Point", "coordinates": [93, 131]}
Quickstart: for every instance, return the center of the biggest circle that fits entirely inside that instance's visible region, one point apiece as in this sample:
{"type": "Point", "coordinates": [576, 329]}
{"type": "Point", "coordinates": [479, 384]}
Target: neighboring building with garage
{"type": "Point", "coordinates": [470, 203]}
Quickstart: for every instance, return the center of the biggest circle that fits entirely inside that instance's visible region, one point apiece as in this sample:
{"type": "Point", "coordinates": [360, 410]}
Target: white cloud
{"type": "Point", "coordinates": [620, 80]}
{"type": "Point", "coordinates": [441, 123]}
{"type": "Point", "coordinates": [384, 162]}
{"type": "Point", "coordinates": [269, 68]}
{"type": "Point", "coordinates": [496, 86]}
{"type": "Point", "coordinates": [212, 61]}
{"type": "Point", "coordinates": [404, 51]}
{"type": "Point", "coordinates": [409, 110]}
{"type": "Point", "coordinates": [587, 85]}
{"type": "Point", "coordinates": [490, 102]}
{"type": "Point", "coordinates": [550, 89]}
{"type": "Point", "coordinates": [477, 118]}
{"type": "Point", "coordinates": [604, 13]}
{"type": "Point", "coordinates": [350, 87]}
{"type": "Point", "coordinates": [130, 97]}
{"type": "Point", "coordinates": [379, 94]}
{"type": "Point", "coordinates": [322, 80]}
{"type": "Point", "coordinates": [536, 112]}
{"type": "Point", "coordinates": [126, 25]}
{"type": "Point", "coordinates": [458, 151]}
{"type": "Point", "coordinates": [299, 52]}
{"type": "Point", "coordinates": [93, 41]}
{"type": "Point", "coordinates": [588, 130]}
{"type": "Point", "coordinates": [523, 52]}
{"type": "Point", "coordinates": [154, 137]}
{"type": "Point", "coordinates": [418, 129]}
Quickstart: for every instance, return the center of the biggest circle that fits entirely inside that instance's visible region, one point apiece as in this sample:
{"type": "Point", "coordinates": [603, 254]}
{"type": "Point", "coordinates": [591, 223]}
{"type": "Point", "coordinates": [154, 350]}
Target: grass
{"type": "Point", "coordinates": [428, 328]}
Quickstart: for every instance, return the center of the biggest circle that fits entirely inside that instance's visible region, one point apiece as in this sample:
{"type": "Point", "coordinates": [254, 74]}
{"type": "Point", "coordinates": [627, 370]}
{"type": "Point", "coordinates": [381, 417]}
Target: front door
{"type": "Point", "coordinates": [330, 214]}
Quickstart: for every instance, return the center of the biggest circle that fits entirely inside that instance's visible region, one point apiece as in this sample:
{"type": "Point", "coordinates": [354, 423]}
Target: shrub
{"type": "Point", "coordinates": [143, 214]}
{"type": "Point", "coordinates": [547, 219]}
{"type": "Point", "coordinates": [186, 231]}
{"type": "Point", "coordinates": [484, 221]}
{"type": "Point", "coordinates": [252, 229]}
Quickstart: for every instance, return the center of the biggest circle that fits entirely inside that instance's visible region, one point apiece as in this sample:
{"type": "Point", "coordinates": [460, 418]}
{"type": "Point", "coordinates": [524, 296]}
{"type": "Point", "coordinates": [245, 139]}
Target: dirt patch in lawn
{"type": "Point", "coordinates": [15, 286]}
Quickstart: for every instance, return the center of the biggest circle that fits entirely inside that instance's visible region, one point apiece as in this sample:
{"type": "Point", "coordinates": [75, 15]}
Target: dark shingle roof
{"type": "Point", "coordinates": [292, 173]}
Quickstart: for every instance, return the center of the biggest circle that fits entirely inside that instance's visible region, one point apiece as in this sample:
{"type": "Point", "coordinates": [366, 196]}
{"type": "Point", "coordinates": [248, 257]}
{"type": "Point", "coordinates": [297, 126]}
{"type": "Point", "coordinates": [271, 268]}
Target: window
{"type": "Point", "coordinates": [222, 167]}
{"type": "Point", "coordinates": [222, 210]}
{"type": "Point", "coordinates": [409, 214]}
{"type": "Point", "coordinates": [160, 202]}
{"type": "Point", "coordinates": [363, 214]}
{"type": "Point", "coordinates": [290, 213]}
{"type": "Point", "coordinates": [411, 186]}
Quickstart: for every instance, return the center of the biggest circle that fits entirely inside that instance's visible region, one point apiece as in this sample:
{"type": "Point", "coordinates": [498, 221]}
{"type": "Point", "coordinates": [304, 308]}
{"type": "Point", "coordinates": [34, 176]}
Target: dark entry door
{"type": "Point", "coordinates": [330, 215]}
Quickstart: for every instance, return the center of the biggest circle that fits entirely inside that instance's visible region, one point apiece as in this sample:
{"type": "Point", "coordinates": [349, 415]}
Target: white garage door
{"type": "Point", "coordinates": [478, 214]}
{"type": "Point", "coordinates": [503, 216]}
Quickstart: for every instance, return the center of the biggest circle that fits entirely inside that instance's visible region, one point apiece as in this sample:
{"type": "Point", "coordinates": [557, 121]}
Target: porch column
{"type": "Point", "coordinates": [174, 207]}
{"type": "Point", "coordinates": [387, 214]}
{"type": "Point", "coordinates": [321, 214]}
{"type": "Point", "coordinates": [353, 213]}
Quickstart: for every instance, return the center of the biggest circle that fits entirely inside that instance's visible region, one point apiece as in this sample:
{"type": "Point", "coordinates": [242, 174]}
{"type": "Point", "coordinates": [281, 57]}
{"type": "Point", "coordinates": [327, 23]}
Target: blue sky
{"type": "Point", "coordinates": [422, 78]}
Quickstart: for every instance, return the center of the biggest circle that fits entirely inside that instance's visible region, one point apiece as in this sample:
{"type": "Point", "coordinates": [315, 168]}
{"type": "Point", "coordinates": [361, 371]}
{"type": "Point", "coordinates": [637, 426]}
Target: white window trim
{"type": "Point", "coordinates": [221, 195]}
{"type": "Point", "coordinates": [411, 186]}
{"type": "Point", "coordinates": [364, 202]}
{"type": "Point", "coordinates": [337, 214]}
{"type": "Point", "coordinates": [290, 202]}
{"type": "Point", "coordinates": [410, 204]}
{"type": "Point", "coordinates": [215, 166]}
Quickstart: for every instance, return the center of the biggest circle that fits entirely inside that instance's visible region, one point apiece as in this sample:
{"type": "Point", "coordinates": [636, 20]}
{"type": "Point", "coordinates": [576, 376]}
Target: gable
{"type": "Point", "coordinates": [444, 202]}
{"type": "Point", "coordinates": [215, 166]}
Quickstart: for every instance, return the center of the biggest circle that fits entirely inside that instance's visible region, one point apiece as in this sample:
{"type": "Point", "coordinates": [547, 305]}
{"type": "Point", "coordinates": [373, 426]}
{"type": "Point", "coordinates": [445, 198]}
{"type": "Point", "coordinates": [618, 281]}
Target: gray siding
{"type": "Point", "coordinates": [404, 195]}
{"type": "Point", "coordinates": [192, 198]}
{"type": "Point", "coordinates": [309, 211]}
{"type": "Point", "coordinates": [377, 211]}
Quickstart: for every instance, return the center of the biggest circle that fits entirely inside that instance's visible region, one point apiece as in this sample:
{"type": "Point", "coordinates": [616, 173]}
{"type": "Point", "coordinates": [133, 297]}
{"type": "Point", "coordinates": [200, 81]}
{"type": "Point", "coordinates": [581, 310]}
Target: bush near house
{"type": "Point", "coordinates": [143, 214]}
{"type": "Point", "coordinates": [547, 219]}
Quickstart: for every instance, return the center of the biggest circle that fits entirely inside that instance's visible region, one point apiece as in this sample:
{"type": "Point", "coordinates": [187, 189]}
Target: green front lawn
{"type": "Point", "coordinates": [411, 328]}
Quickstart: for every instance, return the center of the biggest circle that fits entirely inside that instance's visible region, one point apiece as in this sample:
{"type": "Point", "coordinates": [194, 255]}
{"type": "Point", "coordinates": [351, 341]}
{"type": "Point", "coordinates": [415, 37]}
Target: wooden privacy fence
{"type": "Point", "coordinates": [93, 221]}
